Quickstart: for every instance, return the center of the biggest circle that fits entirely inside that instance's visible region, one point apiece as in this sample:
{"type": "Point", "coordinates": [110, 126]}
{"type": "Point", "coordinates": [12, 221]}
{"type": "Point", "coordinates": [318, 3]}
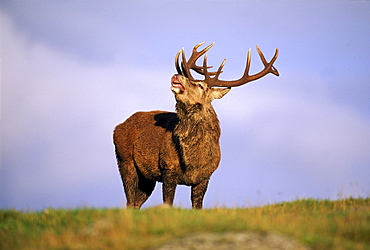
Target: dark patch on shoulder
{"type": "Point", "coordinates": [166, 120]}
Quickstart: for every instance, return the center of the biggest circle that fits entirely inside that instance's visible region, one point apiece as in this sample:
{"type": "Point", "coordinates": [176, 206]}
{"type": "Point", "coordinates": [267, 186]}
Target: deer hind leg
{"type": "Point", "coordinates": [197, 194]}
{"type": "Point", "coordinates": [144, 189]}
{"type": "Point", "coordinates": [137, 188]}
{"type": "Point", "coordinates": [130, 181]}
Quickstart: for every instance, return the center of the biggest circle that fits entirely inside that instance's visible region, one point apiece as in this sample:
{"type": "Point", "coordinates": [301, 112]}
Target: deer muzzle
{"type": "Point", "coordinates": [177, 87]}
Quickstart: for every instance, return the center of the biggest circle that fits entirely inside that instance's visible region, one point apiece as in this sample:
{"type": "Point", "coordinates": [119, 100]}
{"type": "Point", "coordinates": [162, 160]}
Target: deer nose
{"type": "Point", "coordinates": [175, 77]}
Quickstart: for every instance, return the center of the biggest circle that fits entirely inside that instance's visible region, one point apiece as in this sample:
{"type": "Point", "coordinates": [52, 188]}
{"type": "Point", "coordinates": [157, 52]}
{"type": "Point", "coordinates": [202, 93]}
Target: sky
{"type": "Point", "coordinates": [73, 70]}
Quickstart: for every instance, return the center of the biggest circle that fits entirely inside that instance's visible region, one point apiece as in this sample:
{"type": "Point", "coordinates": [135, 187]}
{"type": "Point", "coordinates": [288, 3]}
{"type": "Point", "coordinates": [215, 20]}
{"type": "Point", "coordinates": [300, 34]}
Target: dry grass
{"type": "Point", "coordinates": [320, 224]}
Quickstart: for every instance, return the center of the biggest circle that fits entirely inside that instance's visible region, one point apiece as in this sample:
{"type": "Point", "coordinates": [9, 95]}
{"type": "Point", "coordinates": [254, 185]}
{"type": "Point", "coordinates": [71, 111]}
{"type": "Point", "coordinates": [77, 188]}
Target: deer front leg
{"type": "Point", "coordinates": [197, 194]}
{"type": "Point", "coordinates": [169, 187]}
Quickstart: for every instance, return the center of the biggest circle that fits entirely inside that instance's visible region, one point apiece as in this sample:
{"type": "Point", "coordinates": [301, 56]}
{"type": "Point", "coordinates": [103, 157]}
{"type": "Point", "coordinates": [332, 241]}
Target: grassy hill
{"type": "Point", "coordinates": [319, 224]}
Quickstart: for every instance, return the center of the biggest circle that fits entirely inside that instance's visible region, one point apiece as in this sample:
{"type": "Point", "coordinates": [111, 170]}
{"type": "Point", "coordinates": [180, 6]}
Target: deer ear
{"type": "Point", "coordinates": [218, 93]}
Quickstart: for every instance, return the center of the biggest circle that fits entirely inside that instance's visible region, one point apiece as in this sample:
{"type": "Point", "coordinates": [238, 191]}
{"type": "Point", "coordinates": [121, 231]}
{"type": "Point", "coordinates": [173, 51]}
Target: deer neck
{"type": "Point", "coordinates": [198, 118]}
{"type": "Point", "coordinates": [197, 133]}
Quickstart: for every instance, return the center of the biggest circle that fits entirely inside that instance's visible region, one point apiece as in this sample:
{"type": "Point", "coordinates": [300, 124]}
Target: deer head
{"type": "Point", "coordinates": [195, 91]}
{"type": "Point", "coordinates": [186, 88]}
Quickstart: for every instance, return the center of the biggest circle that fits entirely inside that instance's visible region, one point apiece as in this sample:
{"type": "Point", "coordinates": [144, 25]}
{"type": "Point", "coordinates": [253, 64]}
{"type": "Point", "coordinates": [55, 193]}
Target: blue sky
{"type": "Point", "coordinates": [72, 70]}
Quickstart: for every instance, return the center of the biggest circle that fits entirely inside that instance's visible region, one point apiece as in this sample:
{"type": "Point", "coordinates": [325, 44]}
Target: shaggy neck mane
{"type": "Point", "coordinates": [198, 132]}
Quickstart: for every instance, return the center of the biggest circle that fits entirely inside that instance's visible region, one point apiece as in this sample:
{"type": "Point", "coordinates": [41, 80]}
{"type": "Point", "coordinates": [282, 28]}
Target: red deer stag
{"type": "Point", "coordinates": [179, 148]}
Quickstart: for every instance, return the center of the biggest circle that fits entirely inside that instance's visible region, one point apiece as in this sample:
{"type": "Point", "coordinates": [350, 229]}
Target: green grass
{"type": "Point", "coordinates": [320, 224]}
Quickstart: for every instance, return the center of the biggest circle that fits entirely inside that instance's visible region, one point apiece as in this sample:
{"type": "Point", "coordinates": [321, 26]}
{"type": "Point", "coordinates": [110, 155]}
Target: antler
{"type": "Point", "coordinates": [190, 64]}
{"type": "Point", "coordinates": [214, 81]}
{"type": "Point", "coordinates": [269, 68]}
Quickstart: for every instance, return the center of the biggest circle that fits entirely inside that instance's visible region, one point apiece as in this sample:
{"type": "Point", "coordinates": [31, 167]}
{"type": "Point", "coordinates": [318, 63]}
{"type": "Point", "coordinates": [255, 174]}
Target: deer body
{"type": "Point", "coordinates": [173, 148]}
{"type": "Point", "coordinates": [176, 148]}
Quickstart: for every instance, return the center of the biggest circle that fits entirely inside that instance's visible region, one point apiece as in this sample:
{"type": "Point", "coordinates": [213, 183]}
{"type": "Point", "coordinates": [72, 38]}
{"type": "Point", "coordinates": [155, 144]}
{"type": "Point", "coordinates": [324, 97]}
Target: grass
{"type": "Point", "coordinates": [320, 224]}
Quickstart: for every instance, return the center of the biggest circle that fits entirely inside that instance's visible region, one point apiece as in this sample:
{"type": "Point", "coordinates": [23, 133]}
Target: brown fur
{"type": "Point", "coordinates": [173, 148]}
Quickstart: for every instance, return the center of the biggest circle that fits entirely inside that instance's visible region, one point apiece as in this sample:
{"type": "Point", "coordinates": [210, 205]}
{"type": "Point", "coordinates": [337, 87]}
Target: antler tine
{"type": "Point", "coordinates": [205, 71]}
{"type": "Point", "coordinates": [219, 71]}
{"type": "Point", "coordinates": [186, 66]}
{"type": "Point", "coordinates": [185, 69]}
{"type": "Point", "coordinates": [177, 63]}
{"type": "Point", "coordinates": [263, 59]}
{"type": "Point", "coordinates": [195, 55]}
{"type": "Point", "coordinates": [207, 74]}
{"type": "Point", "coordinates": [269, 68]}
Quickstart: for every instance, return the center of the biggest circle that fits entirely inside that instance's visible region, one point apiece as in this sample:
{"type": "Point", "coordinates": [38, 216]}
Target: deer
{"type": "Point", "coordinates": [182, 147]}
